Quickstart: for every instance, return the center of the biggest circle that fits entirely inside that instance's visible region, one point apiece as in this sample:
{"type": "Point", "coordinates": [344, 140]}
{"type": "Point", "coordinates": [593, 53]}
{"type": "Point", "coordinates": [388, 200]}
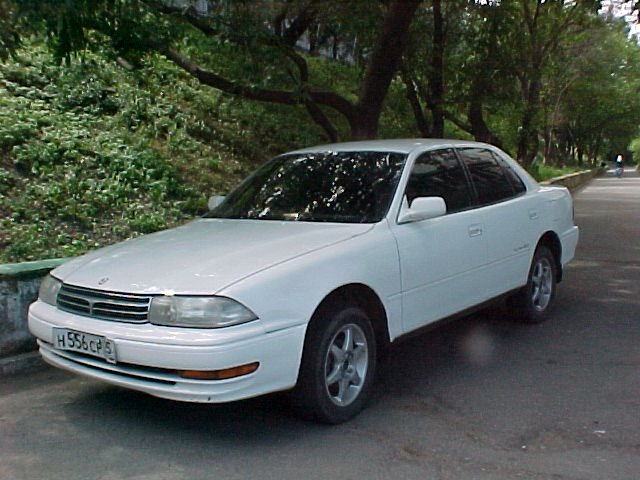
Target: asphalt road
{"type": "Point", "coordinates": [479, 399]}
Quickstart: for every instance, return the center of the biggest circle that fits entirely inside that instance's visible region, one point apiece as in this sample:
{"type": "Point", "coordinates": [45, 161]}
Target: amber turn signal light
{"type": "Point", "coordinates": [220, 374]}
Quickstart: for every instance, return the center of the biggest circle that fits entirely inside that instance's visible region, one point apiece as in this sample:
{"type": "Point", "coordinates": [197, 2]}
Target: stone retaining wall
{"type": "Point", "coordinates": [18, 288]}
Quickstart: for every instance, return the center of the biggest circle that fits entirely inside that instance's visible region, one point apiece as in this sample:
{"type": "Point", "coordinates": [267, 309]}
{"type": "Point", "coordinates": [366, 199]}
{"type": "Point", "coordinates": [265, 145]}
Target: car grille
{"type": "Point", "coordinates": [118, 307]}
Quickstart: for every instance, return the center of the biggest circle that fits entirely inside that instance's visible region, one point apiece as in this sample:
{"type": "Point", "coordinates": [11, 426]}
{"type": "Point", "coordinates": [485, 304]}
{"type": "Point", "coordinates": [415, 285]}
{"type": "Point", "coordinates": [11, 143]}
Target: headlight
{"type": "Point", "coordinates": [49, 288]}
{"type": "Point", "coordinates": [201, 312]}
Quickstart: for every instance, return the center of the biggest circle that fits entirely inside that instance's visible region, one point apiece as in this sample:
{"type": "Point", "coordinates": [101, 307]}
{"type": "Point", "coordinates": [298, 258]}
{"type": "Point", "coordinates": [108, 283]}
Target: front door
{"type": "Point", "coordinates": [441, 259]}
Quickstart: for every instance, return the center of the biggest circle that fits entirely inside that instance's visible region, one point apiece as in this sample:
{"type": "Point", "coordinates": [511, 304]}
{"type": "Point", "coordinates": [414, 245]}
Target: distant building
{"type": "Point", "coordinates": [201, 6]}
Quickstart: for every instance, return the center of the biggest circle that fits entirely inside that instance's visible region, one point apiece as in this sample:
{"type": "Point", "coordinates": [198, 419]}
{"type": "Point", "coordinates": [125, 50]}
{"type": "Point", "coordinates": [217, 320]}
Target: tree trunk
{"type": "Point", "coordinates": [436, 81]}
{"type": "Point", "coordinates": [479, 128]}
{"type": "Point", "coordinates": [593, 157]}
{"type": "Point", "coordinates": [414, 102]}
{"type": "Point", "coordinates": [547, 147]}
{"type": "Point", "coordinates": [382, 67]}
{"type": "Point", "coordinates": [528, 134]}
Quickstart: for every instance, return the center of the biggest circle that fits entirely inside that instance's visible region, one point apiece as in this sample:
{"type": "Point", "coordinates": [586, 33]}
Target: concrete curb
{"type": "Point", "coordinates": [30, 361]}
{"type": "Point", "coordinates": [26, 270]}
{"type": "Point", "coordinates": [574, 181]}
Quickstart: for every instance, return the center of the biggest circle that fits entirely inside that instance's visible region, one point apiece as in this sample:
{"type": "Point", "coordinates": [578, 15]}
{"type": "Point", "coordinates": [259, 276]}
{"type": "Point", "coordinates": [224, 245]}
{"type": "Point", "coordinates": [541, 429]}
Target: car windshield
{"type": "Point", "coordinates": [352, 187]}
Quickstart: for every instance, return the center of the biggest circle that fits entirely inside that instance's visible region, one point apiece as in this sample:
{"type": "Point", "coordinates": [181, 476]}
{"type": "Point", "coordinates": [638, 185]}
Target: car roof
{"type": "Point", "coordinates": [401, 145]}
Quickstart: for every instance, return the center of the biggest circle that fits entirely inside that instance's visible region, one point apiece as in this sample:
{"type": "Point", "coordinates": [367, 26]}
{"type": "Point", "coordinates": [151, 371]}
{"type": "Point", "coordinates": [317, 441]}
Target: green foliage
{"type": "Point", "coordinates": [543, 172]}
{"type": "Point", "coordinates": [91, 153]}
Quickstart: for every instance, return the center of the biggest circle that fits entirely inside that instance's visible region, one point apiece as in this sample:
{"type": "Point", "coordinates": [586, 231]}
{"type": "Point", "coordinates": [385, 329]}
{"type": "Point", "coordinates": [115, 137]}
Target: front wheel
{"type": "Point", "coordinates": [532, 303]}
{"type": "Point", "coordinates": [338, 366]}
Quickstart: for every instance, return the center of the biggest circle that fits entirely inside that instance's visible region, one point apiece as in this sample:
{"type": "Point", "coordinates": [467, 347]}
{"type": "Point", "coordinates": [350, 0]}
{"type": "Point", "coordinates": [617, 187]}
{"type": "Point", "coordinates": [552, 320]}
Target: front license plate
{"type": "Point", "coordinates": [96, 345]}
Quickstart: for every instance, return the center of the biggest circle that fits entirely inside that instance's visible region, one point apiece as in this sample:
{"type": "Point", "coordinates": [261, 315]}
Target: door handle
{"type": "Point", "coordinates": [533, 214]}
{"type": "Point", "coordinates": [475, 230]}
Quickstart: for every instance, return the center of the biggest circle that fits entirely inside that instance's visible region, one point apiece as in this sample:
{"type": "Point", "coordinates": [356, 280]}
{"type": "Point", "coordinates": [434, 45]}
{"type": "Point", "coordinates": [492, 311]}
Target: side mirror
{"type": "Point", "coordinates": [215, 201]}
{"type": "Point", "coordinates": [422, 208]}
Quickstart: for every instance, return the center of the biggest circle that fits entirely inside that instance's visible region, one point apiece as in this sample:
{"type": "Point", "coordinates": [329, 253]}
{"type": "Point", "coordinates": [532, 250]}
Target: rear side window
{"type": "Point", "coordinates": [516, 182]}
{"type": "Point", "coordinates": [489, 178]}
{"type": "Point", "coordinates": [439, 174]}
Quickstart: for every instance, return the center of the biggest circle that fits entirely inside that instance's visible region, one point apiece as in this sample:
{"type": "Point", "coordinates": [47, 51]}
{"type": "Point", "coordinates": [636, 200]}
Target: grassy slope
{"type": "Point", "coordinates": [91, 153]}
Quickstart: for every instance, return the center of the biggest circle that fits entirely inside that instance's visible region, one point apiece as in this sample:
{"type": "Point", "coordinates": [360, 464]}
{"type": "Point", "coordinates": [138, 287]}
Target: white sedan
{"type": "Point", "coordinates": [303, 275]}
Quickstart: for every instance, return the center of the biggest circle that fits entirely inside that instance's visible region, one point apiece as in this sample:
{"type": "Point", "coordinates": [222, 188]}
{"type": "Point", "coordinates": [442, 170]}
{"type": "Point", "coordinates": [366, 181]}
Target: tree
{"type": "Point", "coordinates": [427, 62]}
{"type": "Point", "coordinates": [549, 27]}
{"type": "Point", "coordinates": [601, 105]}
{"type": "Point", "coordinates": [498, 68]}
{"type": "Point", "coordinates": [136, 27]}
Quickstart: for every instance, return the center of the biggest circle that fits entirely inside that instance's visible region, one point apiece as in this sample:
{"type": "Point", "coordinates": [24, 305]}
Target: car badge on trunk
{"type": "Point", "coordinates": [103, 280]}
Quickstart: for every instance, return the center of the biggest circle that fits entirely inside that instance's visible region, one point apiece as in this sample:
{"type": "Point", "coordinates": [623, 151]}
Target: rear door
{"type": "Point", "coordinates": [511, 218]}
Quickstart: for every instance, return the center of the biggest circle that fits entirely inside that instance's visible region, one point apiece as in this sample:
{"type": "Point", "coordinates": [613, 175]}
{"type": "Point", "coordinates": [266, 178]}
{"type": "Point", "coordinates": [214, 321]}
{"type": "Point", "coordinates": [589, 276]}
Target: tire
{"type": "Point", "coordinates": [532, 303]}
{"type": "Point", "coordinates": [337, 368]}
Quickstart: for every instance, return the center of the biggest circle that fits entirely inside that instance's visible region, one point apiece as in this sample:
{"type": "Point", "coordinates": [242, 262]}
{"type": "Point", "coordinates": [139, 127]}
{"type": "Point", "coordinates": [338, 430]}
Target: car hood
{"type": "Point", "coordinates": [201, 257]}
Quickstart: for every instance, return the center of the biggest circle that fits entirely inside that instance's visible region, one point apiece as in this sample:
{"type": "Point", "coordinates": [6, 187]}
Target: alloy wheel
{"type": "Point", "coordinates": [346, 364]}
{"type": "Point", "coordinates": [542, 284]}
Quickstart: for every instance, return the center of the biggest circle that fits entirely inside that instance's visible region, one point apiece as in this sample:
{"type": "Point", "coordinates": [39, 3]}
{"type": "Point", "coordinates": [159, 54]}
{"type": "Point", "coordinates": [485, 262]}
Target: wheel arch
{"type": "Point", "coordinates": [551, 240]}
{"type": "Point", "coordinates": [362, 296]}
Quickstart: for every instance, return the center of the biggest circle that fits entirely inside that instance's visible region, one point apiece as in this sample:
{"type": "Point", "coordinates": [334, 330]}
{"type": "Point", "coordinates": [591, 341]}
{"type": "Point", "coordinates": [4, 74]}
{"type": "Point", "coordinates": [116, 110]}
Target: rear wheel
{"type": "Point", "coordinates": [338, 366]}
{"type": "Point", "coordinates": [532, 303]}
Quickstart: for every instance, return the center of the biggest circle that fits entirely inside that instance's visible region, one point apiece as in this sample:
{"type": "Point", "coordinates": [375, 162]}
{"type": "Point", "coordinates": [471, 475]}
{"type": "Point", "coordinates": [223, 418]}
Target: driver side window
{"type": "Point", "coordinates": [439, 174]}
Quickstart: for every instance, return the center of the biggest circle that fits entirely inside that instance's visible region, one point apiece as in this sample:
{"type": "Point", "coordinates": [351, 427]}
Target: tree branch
{"type": "Point", "coordinates": [321, 119]}
{"type": "Point", "coordinates": [211, 79]}
{"type": "Point", "coordinates": [554, 41]}
{"type": "Point", "coordinates": [458, 123]}
{"type": "Point", "coordinates": [206, 77]}
{"type": "Point", "coordinates": [302, 21]}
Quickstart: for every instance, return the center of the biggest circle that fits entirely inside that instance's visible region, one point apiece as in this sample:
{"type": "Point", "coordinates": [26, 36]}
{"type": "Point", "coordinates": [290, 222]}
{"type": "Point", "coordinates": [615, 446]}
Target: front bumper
{"type": "Point", "coordinates": [148, 356]}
